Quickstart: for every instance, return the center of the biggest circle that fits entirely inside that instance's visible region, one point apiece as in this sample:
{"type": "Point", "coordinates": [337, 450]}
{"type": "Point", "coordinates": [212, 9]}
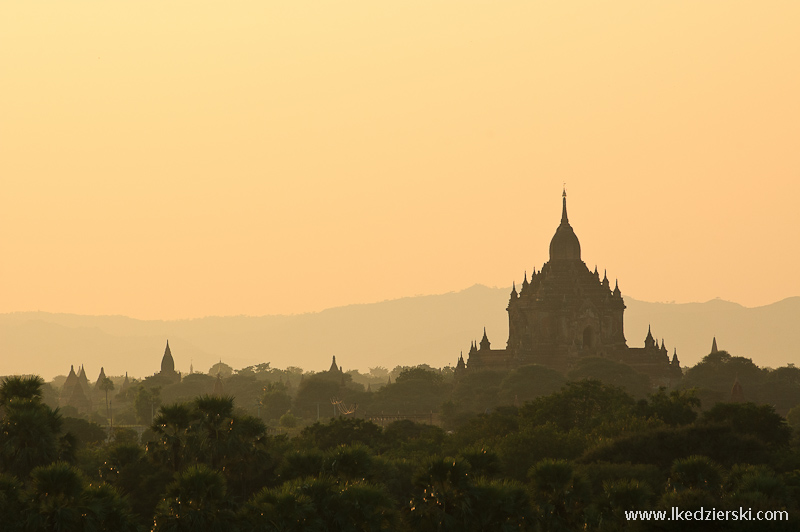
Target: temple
{"type": "Point", "coordinates": [168, 373]}
{"type": "Point", "coordinates": [567, 312]}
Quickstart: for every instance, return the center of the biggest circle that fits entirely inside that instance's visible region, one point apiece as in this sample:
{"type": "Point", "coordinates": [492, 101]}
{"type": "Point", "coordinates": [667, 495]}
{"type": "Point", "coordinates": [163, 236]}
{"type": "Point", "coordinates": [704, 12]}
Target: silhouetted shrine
{"type": "Point", "coordinates": [567, 312]}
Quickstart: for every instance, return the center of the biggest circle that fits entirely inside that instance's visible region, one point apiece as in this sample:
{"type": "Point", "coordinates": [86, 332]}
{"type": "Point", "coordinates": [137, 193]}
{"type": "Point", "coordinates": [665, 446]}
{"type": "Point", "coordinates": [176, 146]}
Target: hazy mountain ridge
{"type": "Point", "coordinates": [423, 329]}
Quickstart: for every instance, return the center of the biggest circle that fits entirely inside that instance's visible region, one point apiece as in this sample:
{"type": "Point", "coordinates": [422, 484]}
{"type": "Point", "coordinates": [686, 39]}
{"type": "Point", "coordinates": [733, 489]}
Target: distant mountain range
{"type": "Point", "coordinates": [424, 329]}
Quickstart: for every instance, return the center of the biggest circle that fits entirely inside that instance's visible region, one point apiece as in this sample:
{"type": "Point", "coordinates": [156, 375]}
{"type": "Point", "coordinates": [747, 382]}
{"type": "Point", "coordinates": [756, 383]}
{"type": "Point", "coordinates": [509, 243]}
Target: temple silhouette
{"type": "Point", "coordinates": [566, 313]}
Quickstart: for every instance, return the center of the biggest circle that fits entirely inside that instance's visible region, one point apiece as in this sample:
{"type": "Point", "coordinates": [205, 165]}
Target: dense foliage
{"type": "Point", "coordinates": [525, 450]}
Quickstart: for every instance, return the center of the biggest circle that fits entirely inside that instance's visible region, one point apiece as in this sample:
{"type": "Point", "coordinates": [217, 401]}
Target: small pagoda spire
{"type": "Point", "coordinates": [649, 341]}
{"type": "Point", "coordinates": [334, 367]}
{"type": "Point", "coordinates": [167, 362]}
{"type": "Point", "coordinates": [485, 341]}
{"type": "Point", "coordinates": [525, 279]}
{"type": "Point", "coordinates": [513, 289]}
{"type": "Point", "coordinates": [100, 378]}
{"type": "Point", "coordinates": [564, 219]}
{"type": "Point", "coordinates": [714, 345]}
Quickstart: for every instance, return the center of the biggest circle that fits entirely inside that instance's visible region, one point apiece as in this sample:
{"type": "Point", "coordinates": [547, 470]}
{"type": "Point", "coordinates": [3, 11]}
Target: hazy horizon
{"type": "Point", "coordinates": [430, 329]}
{"type": "Point", "coordinates": [625, 296]}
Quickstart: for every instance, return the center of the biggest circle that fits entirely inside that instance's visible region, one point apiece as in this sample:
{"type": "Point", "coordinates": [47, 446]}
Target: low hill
{"type": "Point", "coordinates": [414, 330]}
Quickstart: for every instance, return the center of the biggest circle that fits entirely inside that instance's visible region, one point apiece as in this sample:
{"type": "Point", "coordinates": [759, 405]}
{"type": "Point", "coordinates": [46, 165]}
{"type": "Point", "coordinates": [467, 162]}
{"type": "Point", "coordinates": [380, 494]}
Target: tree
{"type": "Point", "coordinates": [127, 469]}
{"type": "Point", "coordinates": [275, 400]}
{"type": "Point", "coordinates": [107, 385]}
{"type": "Point", "coordinates": [59, 499]}
{"type": "Point", "coordinates": [215, 424]}
{"type": "Point", "coordinates": [196, 500]}
{"type": "Point", "coordinates": [448, 496]}
{"type": "Point", "coordinates": [581, 405]}
{"type": "Point", "coordinates": [662, 446]}
{"type": "Point", "coordinates": [696, 473]}
{"type": "Point", "coordinates": [85, 432]}
{"type": "Point", "coordinates": [315, 393]}
{"type": "Point", "coordinates": [21, 389]}
{"type": "Point", "coordinates": [11, 504]}
{"type": "Point", "coordinates": [748, 418]}
{"type": "Point", "coordinates": [288, 421]}
{"type": "Point", "coordinates": [254, 370]}
{"type": "Point", "coordinates": [55, 498]}
{"type": "Point", "coordinates": [793, 418]}
{"type": "Point", "coordinates": [417, 389]}
{"type": "Point", "coordinates": [620, 496]}
{"type": "Point", "coordinates": [379, 372]}
{"type": "Point", "coordinates": [419, 373]}
{"type": "Point", "coordinates": [676, 408]}
{"type": "Point", "coordinates": [29, 429]}
{"type": "Point", "coordinates": [340, 431]}
{"type": "Point", "coordinates": [718, 371]}
{"type": "Point", "coordinates": [558, 495]}
{"type": "Point", "coordinates": [282, 509]}
{"type": "Point", "coordinates": [146, 403]}
{"type": "Point", "coordinates": [172, 429]}
{"type": "Point", "coordinates": [781, 389]}
{"type": "Point", "coordinates": [441, 501]}
{"type": "Point", "coordinates": [613, 374]}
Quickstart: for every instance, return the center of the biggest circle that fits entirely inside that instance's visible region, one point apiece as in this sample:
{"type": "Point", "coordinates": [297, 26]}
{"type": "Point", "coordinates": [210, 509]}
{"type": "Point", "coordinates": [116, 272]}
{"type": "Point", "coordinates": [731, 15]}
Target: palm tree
{"type": "Point", "coordinates": [21, 388]}
{"type": "Point", "coordinates": [105, 510]}
{"type": "Point", "coordinates": [363, 507]}
{"type": "Point", "coordinates": [696, 472]}
{"type": "Point", "coordinates": [620, 496]}
{"type": "Point", "coordinates": [558, 494]}
{"type": "Point", "coordinates": [285, 509]}
{"type": "Point", "coordinates": [55, 497]}
{"type": "Point", "coordinates": [195, 501]}
{"type": "Point", "coordinates": [107, 385]}
{"type": "Point", "coordinates": [499, 506]}
{"type": "Point", "coordinates": [442, 502]}
{"type": "Point", "coordinates": [171, 426]}
{"type": "Point", "coordinates": [60, 500]}
{"type": "Point", "coordinates": [215, 422]}
{"type": "Point", "coordinates": [29, 430]}
{"type": "Point", "coordinates": [11, 504]}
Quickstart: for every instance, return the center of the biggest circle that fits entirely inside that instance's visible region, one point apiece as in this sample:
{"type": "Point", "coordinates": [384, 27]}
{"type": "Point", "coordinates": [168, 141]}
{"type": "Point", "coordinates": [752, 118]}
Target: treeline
{"type": "Point", "coordinates": [578, 458]}
{"type": "Point", "coordinates": [288, 399]}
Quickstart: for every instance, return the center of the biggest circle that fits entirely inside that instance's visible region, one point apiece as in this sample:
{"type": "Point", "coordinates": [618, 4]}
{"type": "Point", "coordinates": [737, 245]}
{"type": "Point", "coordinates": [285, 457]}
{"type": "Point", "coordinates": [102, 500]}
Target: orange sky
{"type": "Point", "coordinates": [182, 159]}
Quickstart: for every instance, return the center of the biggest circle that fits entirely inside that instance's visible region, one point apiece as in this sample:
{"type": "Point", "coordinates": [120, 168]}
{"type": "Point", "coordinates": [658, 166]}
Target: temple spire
{"type": "Point", "coordinates": [564, 219]}
{"type": "Point", "coordinates": [485, 345]}
{"type": "Point", "coordinates": [649, 341]}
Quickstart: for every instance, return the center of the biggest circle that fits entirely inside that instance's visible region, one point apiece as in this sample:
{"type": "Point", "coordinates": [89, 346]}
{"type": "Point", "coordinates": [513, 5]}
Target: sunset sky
{"type": "Point", "coordinates": [181, 159]}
